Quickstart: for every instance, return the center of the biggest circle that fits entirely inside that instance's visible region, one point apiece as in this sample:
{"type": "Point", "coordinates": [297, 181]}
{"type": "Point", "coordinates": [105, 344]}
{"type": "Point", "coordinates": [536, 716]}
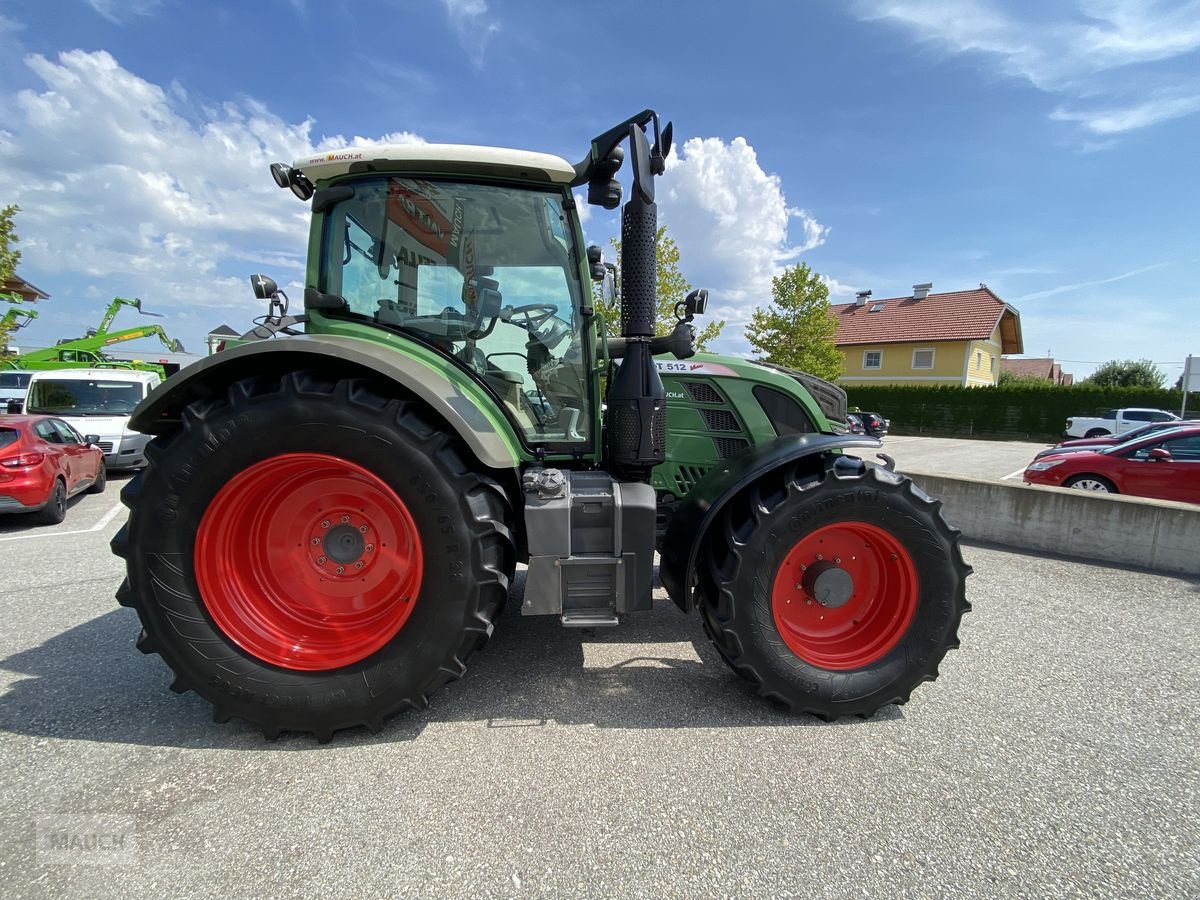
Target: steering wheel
{"type": "Point", "coordinates": [530, 321]}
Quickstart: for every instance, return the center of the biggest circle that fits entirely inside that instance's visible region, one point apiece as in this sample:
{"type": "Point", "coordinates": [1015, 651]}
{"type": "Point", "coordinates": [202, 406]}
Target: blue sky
{"type": "Point", "coordinates": [1047, 149]}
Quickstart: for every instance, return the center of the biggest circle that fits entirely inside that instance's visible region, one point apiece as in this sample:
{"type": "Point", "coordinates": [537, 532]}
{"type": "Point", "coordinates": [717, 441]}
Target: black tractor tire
{"type": "Point", "coordinates": [101, 481]}
{"type": "Point", "coordinates": [55, 509]}
{"type": "Point", "coordinates": [460, 515]}
{"type": "Point", "coordinates": [750, 543]}
{"type": "Point", "coordinates": [1098, 432]}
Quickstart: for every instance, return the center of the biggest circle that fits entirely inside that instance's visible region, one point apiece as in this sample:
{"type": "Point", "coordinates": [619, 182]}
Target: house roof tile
{"type": "Point", "coordinates": [951, 316]}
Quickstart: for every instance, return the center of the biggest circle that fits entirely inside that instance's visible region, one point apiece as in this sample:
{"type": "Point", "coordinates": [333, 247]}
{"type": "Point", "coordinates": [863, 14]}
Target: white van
{"type": "Point", "coordinates": [99, 402]}
{"type": "Point", "coordinates": [13, 385]}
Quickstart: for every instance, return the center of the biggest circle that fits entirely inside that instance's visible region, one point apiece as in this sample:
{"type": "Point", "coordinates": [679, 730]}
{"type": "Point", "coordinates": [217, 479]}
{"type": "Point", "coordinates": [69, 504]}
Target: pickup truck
{"type": "Point", "coordinates": [1115, 421]}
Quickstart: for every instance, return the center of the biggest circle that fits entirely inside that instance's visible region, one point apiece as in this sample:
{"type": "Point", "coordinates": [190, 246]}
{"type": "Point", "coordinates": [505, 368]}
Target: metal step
{"type": "Point", "coordinates": [589, 618]}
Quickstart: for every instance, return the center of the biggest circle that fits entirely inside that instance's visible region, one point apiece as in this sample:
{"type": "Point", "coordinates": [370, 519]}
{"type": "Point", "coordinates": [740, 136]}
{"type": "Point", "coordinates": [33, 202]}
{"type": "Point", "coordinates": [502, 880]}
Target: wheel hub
{"type": "Point", "coordinates": [844, 595]}
{"type": "Point", "coordinates": [308, 561]}
{"type": "Point", "coordinates": [828, 584]}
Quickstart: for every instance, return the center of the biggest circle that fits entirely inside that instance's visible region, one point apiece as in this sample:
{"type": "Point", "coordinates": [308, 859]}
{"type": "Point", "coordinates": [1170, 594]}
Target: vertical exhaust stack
{"type": "Point", "coordinates": [635, 422]}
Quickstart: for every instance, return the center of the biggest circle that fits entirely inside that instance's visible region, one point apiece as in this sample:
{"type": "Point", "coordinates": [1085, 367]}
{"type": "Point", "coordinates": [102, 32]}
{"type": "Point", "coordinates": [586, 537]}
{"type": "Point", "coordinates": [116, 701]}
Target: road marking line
{"type": "Point", "coordinates": [108, 517]}
{"type": "Point", "coordinates": [1020, 471]}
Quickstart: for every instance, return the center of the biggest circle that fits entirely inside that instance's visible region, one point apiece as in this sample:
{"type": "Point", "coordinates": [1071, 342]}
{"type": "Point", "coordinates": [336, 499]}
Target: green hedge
{"type": "Point", "coordinates": [1009, 411]}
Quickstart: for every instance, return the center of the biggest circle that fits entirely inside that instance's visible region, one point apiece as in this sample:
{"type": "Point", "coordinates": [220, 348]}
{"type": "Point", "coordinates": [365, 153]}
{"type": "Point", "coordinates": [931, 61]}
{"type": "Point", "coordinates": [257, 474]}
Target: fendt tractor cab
{"type": "Point", "coordinates": [331, 517]}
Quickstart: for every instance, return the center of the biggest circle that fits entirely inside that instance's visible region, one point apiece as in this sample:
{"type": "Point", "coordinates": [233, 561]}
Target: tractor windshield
{"type": "Point", "coordinates": [488, 275]}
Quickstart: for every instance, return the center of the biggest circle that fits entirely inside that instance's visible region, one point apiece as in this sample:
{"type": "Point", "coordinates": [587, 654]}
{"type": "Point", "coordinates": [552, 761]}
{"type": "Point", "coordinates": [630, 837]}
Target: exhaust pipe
{"type": "Point", "coordinates": [635, 423]}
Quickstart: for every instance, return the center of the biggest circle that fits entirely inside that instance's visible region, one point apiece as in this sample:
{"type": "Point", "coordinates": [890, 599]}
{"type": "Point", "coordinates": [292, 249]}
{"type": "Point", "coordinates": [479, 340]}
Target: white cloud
{"type": "Point", "coordinates": [116, 11]}
{"type": "Point", "coordinates": [125, 189]}
{"type": "Point", "coordinates": [1117, 120]}
{"type": "Point", "coordinates": [733, 225]}
{"type": "Point", "coordinates": [1069, 288]}
{"type": "Point", "coordinates": [1098, 49]}
{"type": "Point", "coordinates": [472, 25]}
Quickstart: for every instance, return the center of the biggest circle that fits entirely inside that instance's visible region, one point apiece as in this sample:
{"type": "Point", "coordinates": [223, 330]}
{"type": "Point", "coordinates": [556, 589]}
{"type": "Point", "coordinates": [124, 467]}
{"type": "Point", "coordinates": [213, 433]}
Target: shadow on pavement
{"type": "Point", "coordinates": [655, 671]}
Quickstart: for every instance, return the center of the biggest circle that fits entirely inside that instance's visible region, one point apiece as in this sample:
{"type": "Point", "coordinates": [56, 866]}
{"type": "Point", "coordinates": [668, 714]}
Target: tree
{"type": "Point", "coordinates": [1141, 373]}
{"type": "Point", "coordinates": [1009, 378]}
{"type": "Point", "coordinates": [9, 257]}
{"type": "Point", "coordinates": [796, 329]}
{"type": "Point", "coordinates": [672, 289]}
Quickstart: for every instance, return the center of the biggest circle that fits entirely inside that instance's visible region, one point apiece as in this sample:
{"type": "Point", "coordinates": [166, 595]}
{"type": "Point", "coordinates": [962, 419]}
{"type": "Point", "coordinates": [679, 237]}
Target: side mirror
{"type": "Point", "coordinates": [596, 262]}
{"type": "Point", "coordinates": [1158, 454]}
{"type": "Point", "coordinates": [609, 291]}
{"type": "Point", "coordinates": [264, 288]}
{"type": "Point", "coordinates": [92, 440]}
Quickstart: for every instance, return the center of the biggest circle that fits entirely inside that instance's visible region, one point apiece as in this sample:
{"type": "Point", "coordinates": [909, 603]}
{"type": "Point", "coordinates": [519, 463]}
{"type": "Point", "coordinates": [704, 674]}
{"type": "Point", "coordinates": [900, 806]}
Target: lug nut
{"type": "Point", "coordinates": [358, 565]}
{"type": "Point", "coordinates": [316, 541]}
{"type": "Point", "coordinates": [370, 547]}
{"type": "Point", "coordinates": [339, 570]}
{"type": "Point", "coordinates": [362, 529]}
{"type": "Point", "coordinates": [325, 524]}
{"type": "Point", "coordinates": [819, 556]}
{"type": "Point", "coordinates": [345, 519]}
{"type": "Point", "coordinates": [320, 560]}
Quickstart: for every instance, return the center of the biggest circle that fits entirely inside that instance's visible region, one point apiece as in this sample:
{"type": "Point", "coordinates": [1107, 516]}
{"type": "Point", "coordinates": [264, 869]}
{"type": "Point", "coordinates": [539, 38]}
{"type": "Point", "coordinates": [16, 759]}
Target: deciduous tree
{"type": "Point", "coordinates": [796, 329]}
{"type": "Point", "coordinates": [9, 257]}
{"type": "Point", "coordinates": [1140, 373]}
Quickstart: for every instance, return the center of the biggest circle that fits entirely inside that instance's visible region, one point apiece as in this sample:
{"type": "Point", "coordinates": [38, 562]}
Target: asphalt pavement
{"type": "Point", "coordinates": [1054, 757]}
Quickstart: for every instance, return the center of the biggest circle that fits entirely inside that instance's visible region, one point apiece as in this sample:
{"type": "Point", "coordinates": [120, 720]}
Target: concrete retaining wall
{"type": "Point", "coordinates": [1155, 534]}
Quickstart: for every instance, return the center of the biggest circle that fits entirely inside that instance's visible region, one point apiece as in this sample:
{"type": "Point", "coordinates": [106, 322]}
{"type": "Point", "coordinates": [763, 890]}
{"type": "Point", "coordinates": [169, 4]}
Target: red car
{"type": "Point", "coordinates": [43, 462]}
{"type": "Point", "coordinates": [1164, 465]}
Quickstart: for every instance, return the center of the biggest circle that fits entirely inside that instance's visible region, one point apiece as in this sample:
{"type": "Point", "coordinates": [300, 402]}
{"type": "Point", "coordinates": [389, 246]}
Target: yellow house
{"type": "Point", "coordinates": [952, 338]}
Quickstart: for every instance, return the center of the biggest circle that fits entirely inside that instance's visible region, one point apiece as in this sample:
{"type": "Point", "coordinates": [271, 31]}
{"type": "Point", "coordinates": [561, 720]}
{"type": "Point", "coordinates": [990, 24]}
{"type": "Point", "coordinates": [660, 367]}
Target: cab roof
{"type": "Point", "coordinates": [450, 158]}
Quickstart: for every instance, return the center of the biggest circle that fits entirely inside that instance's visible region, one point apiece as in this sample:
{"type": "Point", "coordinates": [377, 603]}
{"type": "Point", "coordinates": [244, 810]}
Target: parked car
{"type": "Point", "coordinates": [1098, 443]}
{"type": "Point", "coordinates": [44, 462]}
{"type": "Point", "coordinates": [854, 425]}
{"type": "Point", "coordinates": [13, 385]}
{"type": "Point", "coordinates": [1115, 421]}
{"type": "Point", "coordinates": [1164, 465]}
{"type": "Point", "coordinates": [875, 424]}
{"type": "Point", "coordinates": [97, 401]}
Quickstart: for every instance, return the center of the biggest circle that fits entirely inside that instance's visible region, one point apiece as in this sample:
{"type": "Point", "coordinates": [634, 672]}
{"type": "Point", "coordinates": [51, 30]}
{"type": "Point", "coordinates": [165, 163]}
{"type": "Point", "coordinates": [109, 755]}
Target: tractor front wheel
{"type": "Point", "coordinates": [835, 593]}
{"type": "Point", "coordinates": [310, 554]}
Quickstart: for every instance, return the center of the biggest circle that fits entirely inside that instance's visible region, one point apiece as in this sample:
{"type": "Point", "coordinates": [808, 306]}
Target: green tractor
{"type": "Point", "coordinates": [330, 521]}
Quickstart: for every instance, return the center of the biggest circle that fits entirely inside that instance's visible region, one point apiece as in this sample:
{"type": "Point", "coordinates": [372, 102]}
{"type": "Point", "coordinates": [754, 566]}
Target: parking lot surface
{"type": "Point", "coordinates": [1055, 756]}
{"type": "Point", "coordinates": [993, 460]}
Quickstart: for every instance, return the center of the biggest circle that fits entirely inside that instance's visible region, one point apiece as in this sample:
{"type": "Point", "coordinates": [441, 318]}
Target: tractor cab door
{"type": "Point", "coordinates": [488, 275]}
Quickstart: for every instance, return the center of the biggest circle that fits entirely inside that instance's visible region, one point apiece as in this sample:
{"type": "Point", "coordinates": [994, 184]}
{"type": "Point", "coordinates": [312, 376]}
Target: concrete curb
{"type": "Point", "coordinates": [1154, 534]}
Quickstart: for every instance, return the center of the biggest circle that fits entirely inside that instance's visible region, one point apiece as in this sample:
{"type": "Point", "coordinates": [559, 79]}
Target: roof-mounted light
{"type": "Point", "coordinates": [287, 177]}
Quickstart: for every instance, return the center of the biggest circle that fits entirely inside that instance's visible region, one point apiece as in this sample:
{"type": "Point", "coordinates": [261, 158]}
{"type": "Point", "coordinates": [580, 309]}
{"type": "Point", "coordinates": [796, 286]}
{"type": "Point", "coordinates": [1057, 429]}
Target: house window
{"type": "Point", "coordinates": [991, 364]}
{"type": "Point", "coordinates": [876, 307]}
{"type": "Point", "coordinates": [872, 359]}
{"type": "Point", "coordinates": [979, 359]}
{"type": "Point", "coordinates": [922, 359]}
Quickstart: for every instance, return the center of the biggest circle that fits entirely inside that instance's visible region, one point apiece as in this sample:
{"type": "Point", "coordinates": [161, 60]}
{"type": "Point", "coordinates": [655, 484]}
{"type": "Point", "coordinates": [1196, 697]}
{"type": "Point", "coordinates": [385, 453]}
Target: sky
{"type": "Point", "coordinates": [1047, 149]}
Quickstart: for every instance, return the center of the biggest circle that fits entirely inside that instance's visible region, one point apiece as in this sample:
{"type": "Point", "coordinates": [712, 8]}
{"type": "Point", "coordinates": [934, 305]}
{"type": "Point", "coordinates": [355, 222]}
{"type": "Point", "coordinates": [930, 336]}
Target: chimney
{"type": "Point", "coordinates": [860, 299]}
{"type": "Point", "coordinates": [921, 291]}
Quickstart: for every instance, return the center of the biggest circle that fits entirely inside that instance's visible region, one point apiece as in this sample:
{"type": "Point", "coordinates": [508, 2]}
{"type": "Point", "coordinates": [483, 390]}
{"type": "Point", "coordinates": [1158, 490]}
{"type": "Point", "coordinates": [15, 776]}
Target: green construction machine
{"type": "Point", "coordinates": [88, 351]}
{"type": "Point", "coordinates": [331, 517]}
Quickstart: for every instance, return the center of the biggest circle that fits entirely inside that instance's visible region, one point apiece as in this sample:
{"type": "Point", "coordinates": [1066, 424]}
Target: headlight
{"type": "Point", "coordinates": [1045, 464]}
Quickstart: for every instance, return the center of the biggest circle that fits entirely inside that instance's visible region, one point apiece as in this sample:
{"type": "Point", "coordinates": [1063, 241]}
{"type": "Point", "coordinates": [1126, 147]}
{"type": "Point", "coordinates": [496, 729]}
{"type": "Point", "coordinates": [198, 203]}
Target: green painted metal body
{"type": "Point", "coordinates": [713, 414]}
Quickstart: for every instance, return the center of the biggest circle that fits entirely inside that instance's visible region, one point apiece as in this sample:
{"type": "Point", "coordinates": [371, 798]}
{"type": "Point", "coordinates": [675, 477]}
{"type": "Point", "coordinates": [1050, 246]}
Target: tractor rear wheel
{"type": "Point", "coordinates": [835, 594]}
{"type": "Point", "coordinates": [311, 554]}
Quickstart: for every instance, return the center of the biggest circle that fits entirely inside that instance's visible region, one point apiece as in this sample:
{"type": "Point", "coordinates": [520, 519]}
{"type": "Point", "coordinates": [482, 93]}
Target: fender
{"type": "Point", "coordinates": [459, 401]}
{"type": "Point", "coordinates": [689, 523]}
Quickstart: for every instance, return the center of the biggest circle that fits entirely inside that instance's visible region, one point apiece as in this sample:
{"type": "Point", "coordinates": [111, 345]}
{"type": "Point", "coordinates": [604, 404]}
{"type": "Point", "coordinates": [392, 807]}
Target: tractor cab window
{"type": "Point", "coordinates": [488, 275]}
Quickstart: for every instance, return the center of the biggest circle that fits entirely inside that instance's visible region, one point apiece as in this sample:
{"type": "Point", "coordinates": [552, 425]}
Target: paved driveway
{"type": "Point", "coordinates": [1056, 756]}
{"type": "Point", "coordinates": [994, 460]}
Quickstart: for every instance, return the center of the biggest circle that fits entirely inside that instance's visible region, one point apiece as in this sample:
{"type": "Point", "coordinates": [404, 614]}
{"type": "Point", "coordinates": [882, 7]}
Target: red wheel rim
{"type": "Point", "coordinates": [308, 561]}
{"type": "Point", "coordinates": [845, 595]}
